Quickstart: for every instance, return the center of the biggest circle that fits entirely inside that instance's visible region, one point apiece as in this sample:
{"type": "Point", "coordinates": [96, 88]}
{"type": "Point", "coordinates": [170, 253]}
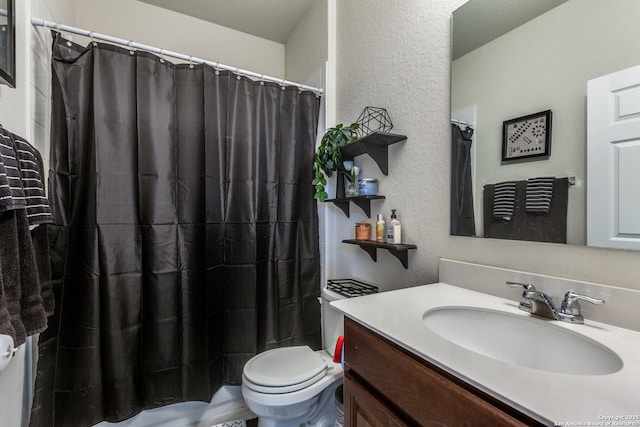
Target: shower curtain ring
{"type": "Point", "coordinates": [261, 79]}
{"type": "Point", "coordinates": [191, 62]}
{"type": "Point", "coordinates": [238, 76]}
{"type": "Point", "coordinates": [131, 50]}
{"type": "Point", "coordinates": [161, 55]}
{"type": "Point", "coordinates": [283, 86]}
{"type": "Point", "coordinates": [215, 67]}
{"type": "Point", "coordinates": [93, 41]}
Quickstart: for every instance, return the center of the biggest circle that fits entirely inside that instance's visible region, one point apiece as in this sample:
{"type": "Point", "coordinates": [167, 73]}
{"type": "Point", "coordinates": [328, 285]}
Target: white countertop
{"type": "Point", "coordinates": [546, 396]}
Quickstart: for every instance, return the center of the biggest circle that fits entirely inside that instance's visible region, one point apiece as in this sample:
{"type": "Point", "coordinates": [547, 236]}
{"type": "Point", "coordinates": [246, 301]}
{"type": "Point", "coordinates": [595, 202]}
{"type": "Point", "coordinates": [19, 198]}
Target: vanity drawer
{"type": "Point", "coordinates": [365, 410]}
{"type": "Point", "coordinates": [418, 392]}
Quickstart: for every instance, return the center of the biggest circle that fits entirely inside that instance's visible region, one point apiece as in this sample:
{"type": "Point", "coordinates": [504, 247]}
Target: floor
{"type": "Point", "coordinates": [226, 409]}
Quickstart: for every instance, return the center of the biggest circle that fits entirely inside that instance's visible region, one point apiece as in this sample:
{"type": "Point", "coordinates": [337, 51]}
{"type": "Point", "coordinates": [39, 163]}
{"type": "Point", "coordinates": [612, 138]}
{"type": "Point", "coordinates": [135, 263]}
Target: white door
{"type": "Point", "coordinates": [613, 160]}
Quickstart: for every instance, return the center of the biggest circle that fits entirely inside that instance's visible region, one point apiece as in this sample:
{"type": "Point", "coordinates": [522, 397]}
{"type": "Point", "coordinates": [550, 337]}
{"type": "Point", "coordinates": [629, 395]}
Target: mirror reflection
{"type": "Point", "coordinates": [511, 62]}
{"type": "Point", "coordinates": [7, 43]}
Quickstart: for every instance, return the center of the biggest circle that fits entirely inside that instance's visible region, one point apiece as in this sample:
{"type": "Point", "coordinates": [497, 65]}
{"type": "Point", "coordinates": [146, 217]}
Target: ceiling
{"type": "Point", "coordinates": [275, 20]}
{"type": "Point", "coordinates": [470, 29]}
{"type": "Point", "coordinates": [270, 19]}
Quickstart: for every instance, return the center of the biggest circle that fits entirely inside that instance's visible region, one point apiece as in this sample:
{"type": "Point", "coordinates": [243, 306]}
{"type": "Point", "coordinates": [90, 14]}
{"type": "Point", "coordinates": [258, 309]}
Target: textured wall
{"type": "Point", "coordinates": [152, 25]}
{"type": "Point", "coordinates": [306, 48]}
{"type": "Point", "coordinates": [395, 54]}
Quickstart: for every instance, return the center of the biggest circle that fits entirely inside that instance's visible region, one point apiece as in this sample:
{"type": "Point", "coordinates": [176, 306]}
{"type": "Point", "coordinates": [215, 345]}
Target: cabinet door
{"type": "Point", "coordinates": [361, 409]}
{"type": "Point", "coordinates": [419, 391]}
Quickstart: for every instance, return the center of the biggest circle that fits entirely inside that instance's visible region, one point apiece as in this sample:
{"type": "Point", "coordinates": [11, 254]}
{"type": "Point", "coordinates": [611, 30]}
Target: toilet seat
{"type": "Point", "coordinates": [284, 370]}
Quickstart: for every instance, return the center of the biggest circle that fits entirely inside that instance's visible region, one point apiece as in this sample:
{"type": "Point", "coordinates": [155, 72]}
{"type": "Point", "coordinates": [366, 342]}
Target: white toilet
{"type": "Point", "coordinates": [294, 386]}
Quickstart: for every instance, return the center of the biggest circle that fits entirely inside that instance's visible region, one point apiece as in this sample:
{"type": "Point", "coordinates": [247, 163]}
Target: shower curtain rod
{"type": "Point", "coordinates": [461, 122]}
{"type": "Point", "coordinates": [128, 43]}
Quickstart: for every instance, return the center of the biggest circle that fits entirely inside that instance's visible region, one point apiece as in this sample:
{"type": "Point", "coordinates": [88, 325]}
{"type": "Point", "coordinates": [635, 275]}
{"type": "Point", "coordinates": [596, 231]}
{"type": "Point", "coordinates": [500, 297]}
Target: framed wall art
{"type": "Point", "coordinates": [527, 136]}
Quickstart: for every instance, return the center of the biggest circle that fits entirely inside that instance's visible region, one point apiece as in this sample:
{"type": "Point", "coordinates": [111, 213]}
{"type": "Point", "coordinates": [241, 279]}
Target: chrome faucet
{"type": "Point", "coordinates": [541, 304]}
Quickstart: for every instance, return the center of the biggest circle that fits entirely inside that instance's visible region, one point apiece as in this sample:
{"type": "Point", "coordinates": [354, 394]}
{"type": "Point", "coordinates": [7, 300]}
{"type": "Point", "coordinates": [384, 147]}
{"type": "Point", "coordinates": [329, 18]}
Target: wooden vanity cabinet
{"type": "Point", "coordinates": [385, 385]}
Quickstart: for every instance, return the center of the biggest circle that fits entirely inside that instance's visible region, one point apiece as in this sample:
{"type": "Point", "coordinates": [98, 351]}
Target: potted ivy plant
{"type": "Point", "coordinates": [328, 157]}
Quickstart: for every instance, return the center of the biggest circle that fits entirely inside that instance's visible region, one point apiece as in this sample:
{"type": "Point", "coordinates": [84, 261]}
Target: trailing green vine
{"type": "Point", "coordinates": [328, 157]}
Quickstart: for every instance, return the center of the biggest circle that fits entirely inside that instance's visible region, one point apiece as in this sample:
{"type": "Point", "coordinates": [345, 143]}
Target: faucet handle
{"type": "Point", "coordinates": [526, 286]}
{"type": "Point", "coordinates": [571, 307]}
{"type": "Point", "coordinates": [571, 299]}
{"type": "Point", "coordinates": [525, 302]}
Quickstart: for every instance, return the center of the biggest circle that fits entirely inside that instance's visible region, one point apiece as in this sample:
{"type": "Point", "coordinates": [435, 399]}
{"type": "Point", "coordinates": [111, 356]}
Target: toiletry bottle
{"type": "Point", "coordinates": [394, 232]}
{"type": "Point", "coordinates": [380, 229]}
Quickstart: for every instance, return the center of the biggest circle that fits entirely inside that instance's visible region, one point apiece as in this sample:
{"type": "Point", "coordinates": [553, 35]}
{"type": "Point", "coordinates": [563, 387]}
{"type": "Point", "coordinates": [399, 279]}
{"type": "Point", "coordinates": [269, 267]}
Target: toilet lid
{"type": "Point", "coordinates": [286, 367]}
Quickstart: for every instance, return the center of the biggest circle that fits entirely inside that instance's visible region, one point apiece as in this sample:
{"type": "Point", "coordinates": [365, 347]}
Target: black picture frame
{"type": "Point", "coordinates": [7, 43]}
{"type": "Point", "coordinates": [527, 136]}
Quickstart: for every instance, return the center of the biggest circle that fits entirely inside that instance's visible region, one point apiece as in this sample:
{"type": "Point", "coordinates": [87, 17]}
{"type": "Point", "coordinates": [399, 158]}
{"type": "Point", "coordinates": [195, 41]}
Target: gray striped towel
{"type": "Point", "coordinates": [38, 209]}
{"type": "Point", "coordinates": [504, 200]}
{"type": "Point", "coordinates": [5, 191]}
{"type": "Point", "coordinates": [11, 192]}
{"type": "Point", "coordinates": [538, 194]}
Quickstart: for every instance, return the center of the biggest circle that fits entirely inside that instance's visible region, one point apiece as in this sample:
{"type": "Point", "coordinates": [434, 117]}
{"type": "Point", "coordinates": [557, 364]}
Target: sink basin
{"type": "Point", "coordinates": [521, 340]}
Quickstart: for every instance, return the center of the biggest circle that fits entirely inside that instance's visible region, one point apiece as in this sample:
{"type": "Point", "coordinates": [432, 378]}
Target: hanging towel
{"type": "Point", "coordinates": [551, 227]}
{"type": "Point", "coordinates": [38, 213]}
{"type": "Point", "coordinates": [9, 252]}
{"type": "Point", "coordinates": [12, 193]}
{"type": "Point", "coordinates": [20, 281]}
{"type": "Point", "coordinates": [5, 191]}
{"type": "Point", "coordinates": [504, 199]}
{"type": "Point", "coordinates": [20, 277]}
{"type": "Point", "coordinates": [6, 202]}
{"type": "Point", "coordinates": [32, 313]}
{"type": "Point", "coordinates": [6, 327]}
{"type": "Point", "coordinates": [38, 210]}
{"type": "Point", "coordinates": [10, 259]}
{"type": "Point", "coordinates": [538, 195]}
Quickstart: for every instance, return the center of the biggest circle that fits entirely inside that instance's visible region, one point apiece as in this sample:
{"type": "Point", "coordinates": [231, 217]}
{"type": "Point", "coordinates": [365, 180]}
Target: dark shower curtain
{"type": "Point", "coordinates": [462, 215]}
{"type": "Point", "coordinates": [186, 236]}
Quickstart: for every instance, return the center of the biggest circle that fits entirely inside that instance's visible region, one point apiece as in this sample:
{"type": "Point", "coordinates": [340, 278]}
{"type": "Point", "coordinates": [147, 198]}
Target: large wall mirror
{"type": "Point", "coordinates": [7, 43]}
{"type": "Point", "coordinates": [515, 58]}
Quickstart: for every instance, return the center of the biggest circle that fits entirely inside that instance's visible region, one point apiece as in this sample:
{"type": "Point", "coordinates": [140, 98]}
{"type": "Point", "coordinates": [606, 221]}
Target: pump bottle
{"type": "Point", "coordinates": [380, 229]}
{"type": "Point", "coordinates": [394, 230]}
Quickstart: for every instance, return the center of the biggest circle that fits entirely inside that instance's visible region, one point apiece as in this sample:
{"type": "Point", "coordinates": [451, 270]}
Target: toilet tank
{"type": "Point", "coordinates": [332, 319]}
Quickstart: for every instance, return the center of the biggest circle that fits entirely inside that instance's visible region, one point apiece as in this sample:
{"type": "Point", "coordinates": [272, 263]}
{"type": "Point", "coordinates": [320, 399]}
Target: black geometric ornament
{"type": "Point", "coordinates": [373, 119]}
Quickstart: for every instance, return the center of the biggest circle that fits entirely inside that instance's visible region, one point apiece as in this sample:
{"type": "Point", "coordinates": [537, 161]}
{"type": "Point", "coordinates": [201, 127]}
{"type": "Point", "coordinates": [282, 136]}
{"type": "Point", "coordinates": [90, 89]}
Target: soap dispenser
{"type": "Point", "coordinates": [394, 231]}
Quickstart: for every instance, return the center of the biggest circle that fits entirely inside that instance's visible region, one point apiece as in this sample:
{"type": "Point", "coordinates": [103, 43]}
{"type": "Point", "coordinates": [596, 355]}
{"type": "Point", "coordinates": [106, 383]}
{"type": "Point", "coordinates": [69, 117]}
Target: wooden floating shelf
{"type": "Point", "coordinates": [376, 146]}
{"type": "Point", "coordinates": [364, 202]}
{"type": "Point", "coordinates": [371, 247]}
